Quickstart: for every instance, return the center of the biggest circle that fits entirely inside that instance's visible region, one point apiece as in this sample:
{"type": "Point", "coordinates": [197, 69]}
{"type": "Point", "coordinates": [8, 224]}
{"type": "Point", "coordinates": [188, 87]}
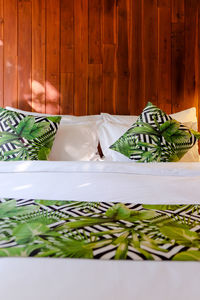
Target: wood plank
{"type": "Point", "coordinates": [24, 54]}
{"type": "Point", "coordinates": [109, 88]}
{"type": "Point", "coordinates": [38, 55]}
{"type": "Point", "coordinates": [137, 101]}
{"type": "Point", "coordinates": [81, 57]}
{"type": "Point", "coordinates": [150, 42]}
{"type": "Point", "coordinates": [178, 11]}
{"type": "Point", "coordinates": [109, 78]}
{"type": "Point", "coordinates": [123, 73]}
{"type": "Point", "coordinates": [190, 79]}
{"type": "Point", "coordinates": [1, 52]}
{"type": "Point", "coordinates": [178, 65]}
{"type": "Point", "coordinates": [115, 59]}
{"type": "Point", "coordinates": [52, 57]}
{"type": "Point", "coordinates": [10, 53]}
{"type": "Point", "coordinates": [67, 93]}
{"type": "Point", "coordinates": [130, 44]}
{"type": "Point", "coordinates": [109, 21]}
{"type": "Point", "coordinates": [164, 63]}
{"type": "Point", "coordinates": [67, 36]}
{"type": "Point", "coordinates": [164, 3]}
{"type": "Point", "coordinates": [94, 89]}
{"type": "Point", "coordinates": [67, 22]}
{"type": "Point", "coordinates": [109, 55]}
{"type": "Point", "coordinates": [67, 57]}
{"type": "Point", "coordinates": [94, 32]}
{"type": "Point", "coordinates": [197, 65]}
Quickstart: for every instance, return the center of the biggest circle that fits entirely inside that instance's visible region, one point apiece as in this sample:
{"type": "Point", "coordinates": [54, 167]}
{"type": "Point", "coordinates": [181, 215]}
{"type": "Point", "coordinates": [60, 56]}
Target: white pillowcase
{"type": "Point", "coordinates": [65, 118]}
{"type": "Point", "coordinates": [112, 127]}
{"type": "Point", "coordinates": [76, 138]}
{"type": "Point", "coordinates": [75, 142]}
{"type": "Point", "coordinates": [188, 115]}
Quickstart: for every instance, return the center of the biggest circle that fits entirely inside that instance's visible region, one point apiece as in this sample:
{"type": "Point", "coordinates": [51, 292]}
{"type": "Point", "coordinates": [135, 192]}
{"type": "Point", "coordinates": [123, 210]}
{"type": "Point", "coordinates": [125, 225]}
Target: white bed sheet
{"type": "Point", "coordinates": [26, 278]}
{"type": "Point", "coordinates": [60, 279]}
{"type": "Point", "coordinates": [101, 181]}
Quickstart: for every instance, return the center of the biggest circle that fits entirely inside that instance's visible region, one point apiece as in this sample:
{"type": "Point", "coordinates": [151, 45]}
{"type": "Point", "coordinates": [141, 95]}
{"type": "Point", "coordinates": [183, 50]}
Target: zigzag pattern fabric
{"type": "Point", "coordinates": [70, 229]}
{"type": "Point", "coordinates": [26, 137]}
{"type": "Point", "coordinates": [155, 137]}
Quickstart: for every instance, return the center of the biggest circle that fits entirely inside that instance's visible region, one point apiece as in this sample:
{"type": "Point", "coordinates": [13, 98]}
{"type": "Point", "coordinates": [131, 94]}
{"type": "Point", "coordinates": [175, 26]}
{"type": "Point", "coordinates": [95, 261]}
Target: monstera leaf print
{"type": "Point", "coordinates": [26, 137]}
{"type": "Point", "coordinates": [43, 228]}
{"type": "Point", "coordinates": [155, 137]}
{"type": "Point", "coordinates": [157, 151]}
{"type": "Point", "coordinates": [29, 129]}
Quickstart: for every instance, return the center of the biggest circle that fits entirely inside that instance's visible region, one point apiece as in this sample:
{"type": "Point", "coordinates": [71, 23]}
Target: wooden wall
{"type": "Point", "coordinates": [87, 56]}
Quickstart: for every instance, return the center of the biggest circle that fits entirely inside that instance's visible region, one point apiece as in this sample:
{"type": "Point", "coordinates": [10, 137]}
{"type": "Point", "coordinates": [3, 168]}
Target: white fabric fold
{"type": "Point", "coordinates": [101, 181]}
{"type": "Point", "coordinates": [152, 169]}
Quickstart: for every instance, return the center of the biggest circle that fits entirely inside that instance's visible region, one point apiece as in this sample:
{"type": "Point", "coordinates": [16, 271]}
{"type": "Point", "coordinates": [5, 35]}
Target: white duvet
{"type": "Point", "coordinates": [101, 181]}
{"type": "Point", "coordinates": [26, 278]}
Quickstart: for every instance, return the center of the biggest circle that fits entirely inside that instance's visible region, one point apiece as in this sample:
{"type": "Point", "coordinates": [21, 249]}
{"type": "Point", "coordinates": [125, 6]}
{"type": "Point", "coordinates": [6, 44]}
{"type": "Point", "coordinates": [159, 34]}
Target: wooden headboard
{"type": "Point", "coordinates": [87, 56]}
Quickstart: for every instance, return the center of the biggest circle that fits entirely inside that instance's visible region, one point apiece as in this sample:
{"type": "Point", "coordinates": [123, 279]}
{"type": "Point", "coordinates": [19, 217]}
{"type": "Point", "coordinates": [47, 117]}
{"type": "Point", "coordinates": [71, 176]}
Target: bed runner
{"type": "Point", "coordinates": [70, 229]}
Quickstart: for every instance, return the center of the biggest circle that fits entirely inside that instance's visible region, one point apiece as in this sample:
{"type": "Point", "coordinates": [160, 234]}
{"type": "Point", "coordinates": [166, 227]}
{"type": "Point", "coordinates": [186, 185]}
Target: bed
{"type": "Point", "coordinates": [50, 278]}
{"type": "Point", "coordinates": [121, 190]}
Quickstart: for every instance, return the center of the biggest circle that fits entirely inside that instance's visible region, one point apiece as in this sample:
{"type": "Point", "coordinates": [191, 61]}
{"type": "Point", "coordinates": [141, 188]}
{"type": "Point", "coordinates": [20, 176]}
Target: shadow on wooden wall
{"type": "Point", "coordinates": [87, 56]}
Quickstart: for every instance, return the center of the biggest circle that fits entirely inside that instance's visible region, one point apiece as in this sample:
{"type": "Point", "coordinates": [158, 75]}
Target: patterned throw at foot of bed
{"type": "Point", "coordinates": [70, 229]}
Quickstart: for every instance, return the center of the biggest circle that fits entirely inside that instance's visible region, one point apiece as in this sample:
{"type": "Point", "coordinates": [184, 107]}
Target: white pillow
{"type": "Point", "coordinates": [68, 118]}
{"type": "Point", "coordinates": [120, 119]}
{"type": "Point", "coordinates": [75, 142]}
{"type": "Point", "coordinates": [108, 133]}
{"type": "Point", "coordinates": [76, 138]}
{"type": "Point", "coordinates": [188, 115]}
{"type": "Point", "coordinates": [112, 127]}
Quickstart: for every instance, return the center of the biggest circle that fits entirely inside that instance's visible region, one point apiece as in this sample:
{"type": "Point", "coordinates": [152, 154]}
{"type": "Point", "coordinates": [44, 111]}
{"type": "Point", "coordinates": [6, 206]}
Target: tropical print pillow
{"type": "Point", "coordinates": [25, 137]}
{"type": "Point", "coordinates": [156, 137]}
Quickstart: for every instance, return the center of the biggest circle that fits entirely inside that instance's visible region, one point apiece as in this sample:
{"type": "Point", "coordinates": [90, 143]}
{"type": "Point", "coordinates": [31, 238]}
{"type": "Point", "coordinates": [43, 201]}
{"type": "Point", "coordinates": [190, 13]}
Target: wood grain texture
{"type": "Point", "coordinates": [10, 42]}
{"type": "Point", "coordinates": [178, 8]}
{"type": "Point", "coordinates": [38, 61]}
{"type": "Point", "coordinates": [164, 57]}
{"type": "Point", "coordinates": [197, 65]}
{"type": "Point", "coordinates": [178, 66]}
{"type": "Point", "coordinates": [123, 73]}
{"type": "Point", "coordinates": [94, 32]}
{"type": "Point", "coordinates": [25, 54]}
{"type": "Point", "coordinates": [67, 57]}
{"type": "Point", "coordinates": [109, 21]}
{"type": "Point", "coordinates": [52, 56]}
{"type": "Point", "coordinates": [137, 60]}
{"type": "Point", "coordinates": [150, 27]}
{"type": "Point", "coordinates": [94, 88]}
{"type": "Point", "coordinates": [190, 79]}
{"type": "Point", "coordinates": [81, 57]}
{"type": "Point", "coordinates": [1, 52]}
{"type": "Point", "coordinates": [90, 56]}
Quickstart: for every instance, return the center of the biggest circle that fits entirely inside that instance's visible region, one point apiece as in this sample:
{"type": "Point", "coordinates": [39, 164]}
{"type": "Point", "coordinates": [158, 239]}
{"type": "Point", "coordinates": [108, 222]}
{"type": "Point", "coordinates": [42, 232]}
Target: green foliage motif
{"type": "Point", "coordinates": [43, 228]}
{"type": "Point", "coordinates": [30, 139]}
{"type": "Point", "coordinates": [167, 141]}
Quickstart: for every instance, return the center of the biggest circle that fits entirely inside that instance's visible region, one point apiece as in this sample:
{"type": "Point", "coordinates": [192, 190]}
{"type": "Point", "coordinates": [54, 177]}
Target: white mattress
{"type": "Point", "coordinates": [26, 278]}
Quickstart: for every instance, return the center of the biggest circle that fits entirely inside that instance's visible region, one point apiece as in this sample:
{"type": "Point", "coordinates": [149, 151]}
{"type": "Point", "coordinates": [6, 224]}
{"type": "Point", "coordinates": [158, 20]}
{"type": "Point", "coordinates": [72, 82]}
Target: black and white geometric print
{"type": "Point", "coordinates": [146, 142]}
{"type": "Point", "coordinates": [99, 230]}
{"type": "Point", "coordinates": [149, 114]}
{"type": "Point", "coordinates": [13, 147]}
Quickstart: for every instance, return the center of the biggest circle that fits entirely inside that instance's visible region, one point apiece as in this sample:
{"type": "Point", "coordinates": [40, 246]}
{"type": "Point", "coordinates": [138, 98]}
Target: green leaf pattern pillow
{"type": "Point", "coordinates": [26, 137]}
{"type": "Point", "coordinates": [156, 137]}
